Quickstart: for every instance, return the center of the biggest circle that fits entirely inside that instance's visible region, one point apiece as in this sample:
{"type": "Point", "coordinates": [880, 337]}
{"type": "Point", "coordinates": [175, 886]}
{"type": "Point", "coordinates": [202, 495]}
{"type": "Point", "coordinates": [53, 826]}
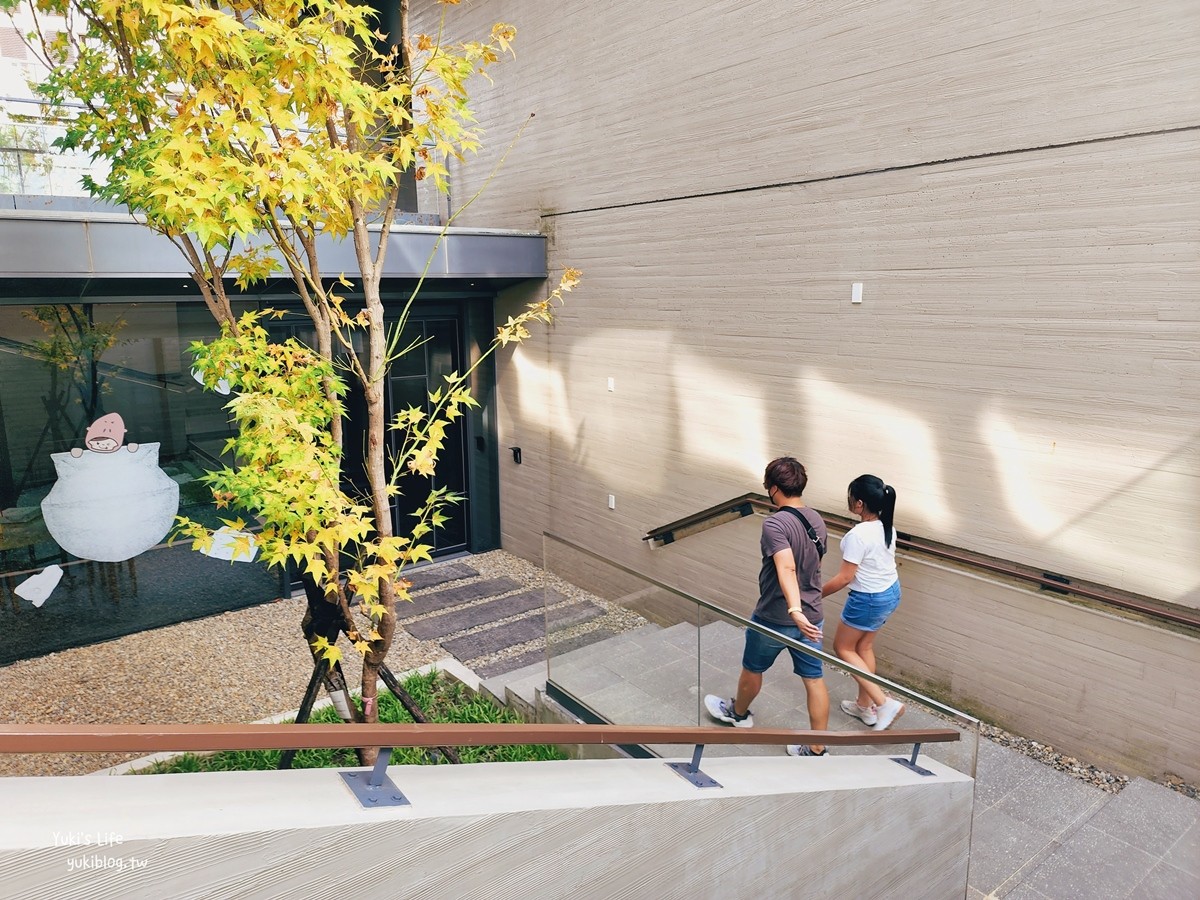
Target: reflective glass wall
{"type": "Point", "coordinates": [64, 367]}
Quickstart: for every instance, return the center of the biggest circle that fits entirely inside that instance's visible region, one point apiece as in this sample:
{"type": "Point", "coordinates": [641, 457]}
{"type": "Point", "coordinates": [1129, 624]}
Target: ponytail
{"type": "Point", "coordinates": [888, 513]}
{"type": "Point", "coordinates": [879, 498]}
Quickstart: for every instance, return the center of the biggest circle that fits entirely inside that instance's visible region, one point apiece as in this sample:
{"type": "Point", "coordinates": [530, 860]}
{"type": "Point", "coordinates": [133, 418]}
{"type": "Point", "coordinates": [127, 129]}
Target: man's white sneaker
{"type": "Point", "coordinates": [885, 715]}
{"type": "Point", "coordinates": [722, 711]}
{"type": "Point", "coordinates": [851, 708]}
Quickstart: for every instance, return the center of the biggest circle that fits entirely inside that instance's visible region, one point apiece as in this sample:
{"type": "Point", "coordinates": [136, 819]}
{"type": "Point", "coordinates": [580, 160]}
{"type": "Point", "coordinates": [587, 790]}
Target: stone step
{"type": "Point", "coordinates": [560, 618]}
{"type": "Point", "coordinates": [518, 687]}
{"type": "Point", "coordinates": [430, 576]}
{"type": "Point", "coordinates": [648, 638]}
{"type": "Point", "coordinates": [585, 639]}
{"type": "Point", "coordinates": [493, 640]}
{"type": "Point", "coordinates": [439, 626]}
{"type": "Point", "coordinates": [434, 601]}
{"type": "Point", "coordinates": [502, 668]}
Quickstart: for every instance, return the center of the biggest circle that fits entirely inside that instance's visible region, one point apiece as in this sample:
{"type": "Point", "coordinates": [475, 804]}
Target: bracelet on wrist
{"type": "Point", "coordinates": [795, 609]}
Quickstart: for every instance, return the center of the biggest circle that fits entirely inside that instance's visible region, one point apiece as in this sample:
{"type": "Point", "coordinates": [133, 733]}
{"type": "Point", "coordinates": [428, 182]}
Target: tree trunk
{"type": "Point", "coordinates": [381, 506]}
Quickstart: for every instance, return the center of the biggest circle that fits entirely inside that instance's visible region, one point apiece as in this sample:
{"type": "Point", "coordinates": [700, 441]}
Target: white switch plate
{"type": "Point", "coordinates": [612, 384]}
{"type": "Point", "coordinates": [612, 501]}
{"type": "Point", "coordinates": [856, 292]}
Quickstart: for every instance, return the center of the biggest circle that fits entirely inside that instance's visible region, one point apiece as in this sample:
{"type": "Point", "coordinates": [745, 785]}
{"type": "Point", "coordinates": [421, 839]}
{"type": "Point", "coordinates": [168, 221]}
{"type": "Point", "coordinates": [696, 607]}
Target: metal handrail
{"type": "Point", "coordinates": [57, 738]}
{"type": "Point", "coordinates": [893, 687]}
{"type": "Point", "coordinates": [1051, 581]}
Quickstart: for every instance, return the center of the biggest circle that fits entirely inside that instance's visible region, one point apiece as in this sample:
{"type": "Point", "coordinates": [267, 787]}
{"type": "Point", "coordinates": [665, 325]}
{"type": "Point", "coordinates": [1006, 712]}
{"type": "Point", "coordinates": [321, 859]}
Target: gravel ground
{"type": "Point", "coordinates": [236, 667]}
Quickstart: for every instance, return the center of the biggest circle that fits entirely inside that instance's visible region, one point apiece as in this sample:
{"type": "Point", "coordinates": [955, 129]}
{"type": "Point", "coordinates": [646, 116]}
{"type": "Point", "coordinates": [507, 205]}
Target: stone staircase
{"type": "Point", "coordinates": [1038, 833]}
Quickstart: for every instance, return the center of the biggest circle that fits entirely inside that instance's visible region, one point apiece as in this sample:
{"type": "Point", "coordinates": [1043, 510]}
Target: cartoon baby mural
{"type": "Point", "coordinates": [109, 506]}
{"type": "Point", "coordinates": [105, 435]}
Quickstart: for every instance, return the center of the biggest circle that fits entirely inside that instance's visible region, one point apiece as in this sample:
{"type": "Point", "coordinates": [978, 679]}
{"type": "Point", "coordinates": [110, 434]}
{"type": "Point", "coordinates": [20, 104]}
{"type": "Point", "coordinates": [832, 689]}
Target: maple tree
{"type": "Point", "coordinates": [248, 132]}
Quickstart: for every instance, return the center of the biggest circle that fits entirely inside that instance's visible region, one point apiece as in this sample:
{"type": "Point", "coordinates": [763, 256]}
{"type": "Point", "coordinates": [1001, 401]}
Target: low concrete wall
{"type": "Point", "coordinates": [778, 827]}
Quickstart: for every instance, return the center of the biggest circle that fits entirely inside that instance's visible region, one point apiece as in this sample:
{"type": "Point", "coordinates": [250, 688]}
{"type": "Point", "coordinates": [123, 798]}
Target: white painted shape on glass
{"type": "Point", "coordinates": [36, 588]}
{"type": "Point", "coordinates": [224, 545]}
{"type": "Point", "coordinates": [222, 384]}
{"type": "Point", "coordinates": [110, 506]}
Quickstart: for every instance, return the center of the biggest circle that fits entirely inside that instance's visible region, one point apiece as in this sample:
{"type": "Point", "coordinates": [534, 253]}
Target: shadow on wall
{"type": "Point", "coordinates": [970, 471]}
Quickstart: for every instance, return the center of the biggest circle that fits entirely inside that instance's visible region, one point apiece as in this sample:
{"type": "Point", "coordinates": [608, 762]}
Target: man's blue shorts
{"type": "Point", "coordinates": [761, 650]}
{"type": "Point", "coordinates": [868, 611]}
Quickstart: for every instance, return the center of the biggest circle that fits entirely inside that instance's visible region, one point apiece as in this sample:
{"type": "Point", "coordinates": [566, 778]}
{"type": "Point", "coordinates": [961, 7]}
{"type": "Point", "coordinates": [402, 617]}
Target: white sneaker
{"type": "Point", "coordinates": [722, 711]}
{"type": "Point", "coordinates": [851, 708]}
{"type": "Point", "coordinates": [804, 750]}
{"type": "Point", "coordinates": [885, 715]}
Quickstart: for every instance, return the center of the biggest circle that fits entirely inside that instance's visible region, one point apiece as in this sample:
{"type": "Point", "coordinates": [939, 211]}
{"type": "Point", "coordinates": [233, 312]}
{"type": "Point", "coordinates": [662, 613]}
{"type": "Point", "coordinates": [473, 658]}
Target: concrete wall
{"type": "Point", "coordinates": [1016, 189]}
{"type": "Point", "coordinates": [840, 826]}
{"type": "Point", "coordinates": [1014, 186]}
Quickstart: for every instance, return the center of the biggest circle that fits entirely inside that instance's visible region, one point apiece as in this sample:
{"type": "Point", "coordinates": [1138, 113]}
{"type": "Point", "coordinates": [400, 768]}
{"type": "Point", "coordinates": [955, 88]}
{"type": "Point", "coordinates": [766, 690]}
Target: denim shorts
{"type": "Point", "coordinates": [761, 651]}
{"type": "Point", "coordinates": [868, 611]}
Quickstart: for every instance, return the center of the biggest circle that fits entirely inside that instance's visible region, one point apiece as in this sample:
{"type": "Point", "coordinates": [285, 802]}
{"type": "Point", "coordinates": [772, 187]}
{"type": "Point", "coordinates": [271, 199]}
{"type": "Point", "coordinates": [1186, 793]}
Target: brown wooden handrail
{"type": "Point", "coordinates": [56, 738]}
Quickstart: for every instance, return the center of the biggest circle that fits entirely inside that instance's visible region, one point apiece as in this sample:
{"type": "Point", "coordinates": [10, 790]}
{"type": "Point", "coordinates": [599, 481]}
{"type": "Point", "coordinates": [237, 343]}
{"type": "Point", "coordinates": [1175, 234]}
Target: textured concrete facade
{"type": "Point", "coordinates": [781, 827]}
{"type": "Point", "coordinates": [1014, 188]}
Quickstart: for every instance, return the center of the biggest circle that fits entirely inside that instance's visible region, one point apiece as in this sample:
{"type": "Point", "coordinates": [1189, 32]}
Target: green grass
{"type": "Point", "coordinates": [443, 699]}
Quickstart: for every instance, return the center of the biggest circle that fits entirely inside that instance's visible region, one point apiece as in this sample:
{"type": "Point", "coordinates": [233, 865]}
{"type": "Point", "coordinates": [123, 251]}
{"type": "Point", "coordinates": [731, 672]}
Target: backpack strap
{"type": "Point", "coordinates": [812, 532]}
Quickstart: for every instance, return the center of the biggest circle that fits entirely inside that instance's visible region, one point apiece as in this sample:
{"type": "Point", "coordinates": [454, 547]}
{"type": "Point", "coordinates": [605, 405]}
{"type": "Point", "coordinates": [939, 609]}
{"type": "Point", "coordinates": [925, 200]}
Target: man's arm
{"type": "Point", "coordinates": [785, 570]}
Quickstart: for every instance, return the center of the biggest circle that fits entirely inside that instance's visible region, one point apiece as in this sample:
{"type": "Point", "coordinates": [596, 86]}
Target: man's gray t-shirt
{"type": "Point", "coordinates": [783, 529]}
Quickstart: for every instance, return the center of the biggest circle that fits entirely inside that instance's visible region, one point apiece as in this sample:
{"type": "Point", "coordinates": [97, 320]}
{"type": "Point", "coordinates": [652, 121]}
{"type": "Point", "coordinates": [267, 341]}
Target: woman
{"type": "Point", "coordinates": [869, 570]}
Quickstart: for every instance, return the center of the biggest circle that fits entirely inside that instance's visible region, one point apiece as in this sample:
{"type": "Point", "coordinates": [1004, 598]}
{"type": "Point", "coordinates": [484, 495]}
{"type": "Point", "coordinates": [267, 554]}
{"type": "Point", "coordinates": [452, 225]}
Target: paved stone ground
{"type": "Point", "coordinates": [1039, 834]}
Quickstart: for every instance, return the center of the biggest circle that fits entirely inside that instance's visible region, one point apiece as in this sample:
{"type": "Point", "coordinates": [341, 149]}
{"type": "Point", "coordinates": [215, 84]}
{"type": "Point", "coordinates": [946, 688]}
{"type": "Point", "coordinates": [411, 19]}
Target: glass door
{"type": "Point", "coordinates": [412, 378]}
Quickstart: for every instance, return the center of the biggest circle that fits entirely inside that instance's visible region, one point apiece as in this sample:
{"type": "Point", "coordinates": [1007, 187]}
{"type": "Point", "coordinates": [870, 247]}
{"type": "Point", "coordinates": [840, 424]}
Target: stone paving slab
{"type": "Point", "coordinates": [564, 617]}
{"type": "Point", "coordinates": [440, 626]}
{"type": "Point", "coordinates": [431, 576]}
{"type": "Point", "coordinates": [493, 640]}
{"type": "Point", "coordinates": [1006, 771]}
{"type": "Point", "coordinates": [1002, 845]}
{"type": "Point", "coordinates": [564, 649]}
{"type": "Point", "coordinates": [1148, 816]}
{"type": "Point", "coordinates": [454, 596]}
{"type": "Point", "coordinates": [1052, 802]}
{"type": "Point", "coordinates": [1186, 852]}
{"type": "Point", "coordinates": [582, 679]}
{"type": "Point", "coordinates": [1137, 844]}
{"type": "Point", "coordinates": [1166, 882]}
{"type": "Point", "coordinates": [1092, 865]}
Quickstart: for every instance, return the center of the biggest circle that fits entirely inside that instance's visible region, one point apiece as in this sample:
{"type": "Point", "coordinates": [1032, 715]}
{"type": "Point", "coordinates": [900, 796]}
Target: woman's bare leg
{"type": "Point", "coordinates": [846, 642]}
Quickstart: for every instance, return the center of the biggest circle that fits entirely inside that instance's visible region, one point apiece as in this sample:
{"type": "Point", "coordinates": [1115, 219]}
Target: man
{"type": "Point", "coordinates": [789, 602]}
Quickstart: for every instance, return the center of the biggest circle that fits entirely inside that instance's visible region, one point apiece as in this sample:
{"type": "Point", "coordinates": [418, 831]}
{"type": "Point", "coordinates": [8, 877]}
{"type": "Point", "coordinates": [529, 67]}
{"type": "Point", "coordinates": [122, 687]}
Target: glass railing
{"type": "Point", "coordinates": [31, 164]}
{"type": "Point", "coordinates": [626, 648]}
{"type": "Point", "coordinates": [29, 161]}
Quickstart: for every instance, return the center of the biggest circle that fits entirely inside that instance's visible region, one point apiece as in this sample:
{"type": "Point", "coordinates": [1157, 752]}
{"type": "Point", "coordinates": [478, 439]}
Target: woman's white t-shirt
{"type": "Point", "coordinates": [863, 545]}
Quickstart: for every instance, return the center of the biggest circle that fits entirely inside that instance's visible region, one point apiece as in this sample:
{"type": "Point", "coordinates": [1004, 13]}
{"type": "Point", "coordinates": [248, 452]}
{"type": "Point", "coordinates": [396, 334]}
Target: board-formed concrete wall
{"type": "Point", "coordinates": [777, 827]}
{"type": "Point", "coordinates": [1015, 188]}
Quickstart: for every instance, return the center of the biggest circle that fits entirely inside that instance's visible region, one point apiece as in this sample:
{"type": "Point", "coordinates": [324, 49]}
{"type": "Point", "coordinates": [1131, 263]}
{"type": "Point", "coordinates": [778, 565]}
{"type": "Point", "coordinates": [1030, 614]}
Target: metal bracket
{"type": "Point", "coordinates": [691, 771]}
{"type": "Point", "coordinates": [374, 789]}
{"type": "Point", "coordinates": [911, 764]}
